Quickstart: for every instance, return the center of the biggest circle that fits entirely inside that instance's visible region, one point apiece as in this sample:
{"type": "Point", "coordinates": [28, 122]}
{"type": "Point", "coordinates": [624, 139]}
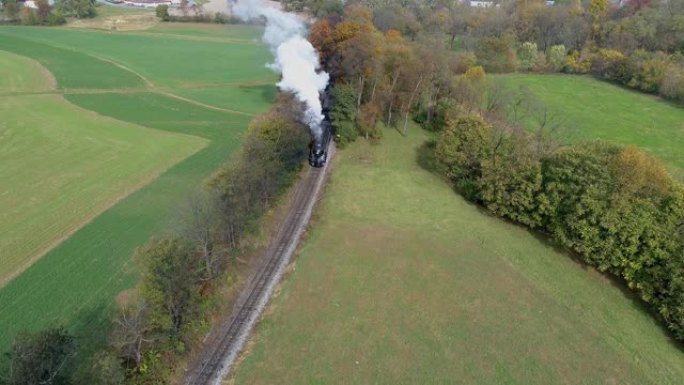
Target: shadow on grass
{"type": "Point", "coordinates": [425, 158]}
{"type": "Point", "coordinates": [89, 340]}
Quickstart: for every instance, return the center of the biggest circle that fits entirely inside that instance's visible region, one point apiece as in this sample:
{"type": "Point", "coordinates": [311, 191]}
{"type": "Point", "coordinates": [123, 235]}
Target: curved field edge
{"type": "Point", "coordinates": [163, 60]}
{"type": "Point", "coordinates": [75, 284]}
{"type": "Point", "coordinates": [62, 165]}
{"type": "Point", "coordinates": [71, 68]}
{"type": "Point", "coordinates": [402, 281]}
{"type": "Point", "coordinates": [22, 74]}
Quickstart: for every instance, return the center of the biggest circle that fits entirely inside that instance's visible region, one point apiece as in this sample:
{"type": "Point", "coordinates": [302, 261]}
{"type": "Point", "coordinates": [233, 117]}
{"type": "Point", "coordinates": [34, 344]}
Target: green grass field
{"type": "Point", "coordinates": [591, 109]}
{"type": "Point", "coordinates": [165, 60]}
{"type": "Point", "coordinates": [19, 74]}
{"type": "Point", "coordinates": [75, 283]}
{"type": "Point", "coordinates": [401, 281]}
{"type": "Point", "coordinates": [64, 164]}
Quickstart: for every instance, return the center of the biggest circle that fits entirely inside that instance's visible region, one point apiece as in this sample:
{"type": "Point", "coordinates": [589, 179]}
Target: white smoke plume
{"type": "Point", "coordinates": [295, 58]}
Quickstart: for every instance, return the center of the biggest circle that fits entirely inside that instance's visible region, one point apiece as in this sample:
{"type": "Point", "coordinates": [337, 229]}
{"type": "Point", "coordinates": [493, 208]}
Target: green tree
{"type": "Point", "coordinates": [511, 180]}
{"type": "Point", "coordinates": [527, 55]}
{"type": "Point", "coordinates": [171, 283]}
{"type": "Point", "coordinates": [162, 12]}
{"type": "Point", "coordinates": [343, 113]}
{"type": "Point", "coordinates": [41, 358]}
{"type": "Point", "coordinates": [461, 149]}
{"type": "Point", "coordinates": [577, 193]}
{"type": "Point", "coordinates": [556, 57]}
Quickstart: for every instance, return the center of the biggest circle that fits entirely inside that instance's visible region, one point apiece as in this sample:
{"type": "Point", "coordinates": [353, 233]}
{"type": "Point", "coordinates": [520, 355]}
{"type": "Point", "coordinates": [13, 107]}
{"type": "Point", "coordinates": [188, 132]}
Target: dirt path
{"type": "Point", "coordinates": [228, 337]}
{"type": "Point", "coordinates": [207, 106]}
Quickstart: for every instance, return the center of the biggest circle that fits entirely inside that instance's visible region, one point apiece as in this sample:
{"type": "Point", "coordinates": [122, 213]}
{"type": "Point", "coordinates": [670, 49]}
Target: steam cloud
{"type": "Point", "coordinates": [295, 58]}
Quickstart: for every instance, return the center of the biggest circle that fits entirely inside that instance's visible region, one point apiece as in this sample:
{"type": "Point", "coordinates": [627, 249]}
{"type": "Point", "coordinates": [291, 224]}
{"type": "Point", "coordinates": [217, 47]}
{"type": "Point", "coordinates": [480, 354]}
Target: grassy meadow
{"type": "Point", "coordinates": [134, 80]}
{"type": "Point", "coordinates": [401, 281]}
{"type": "Point", "coordinates": [589, 109]}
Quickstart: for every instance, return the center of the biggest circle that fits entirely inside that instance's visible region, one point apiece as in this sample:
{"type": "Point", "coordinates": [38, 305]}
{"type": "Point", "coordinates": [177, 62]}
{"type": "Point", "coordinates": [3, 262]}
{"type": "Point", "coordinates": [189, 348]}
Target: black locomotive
{"type": "Point", "coordinates": [318, 151]}
{"type": "Point", "coordinates": [318, 148]}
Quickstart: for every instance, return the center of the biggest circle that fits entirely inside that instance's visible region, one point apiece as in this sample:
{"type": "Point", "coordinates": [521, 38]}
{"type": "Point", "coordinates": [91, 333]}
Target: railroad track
{"type": "Point", "coordinates": [220, 356]}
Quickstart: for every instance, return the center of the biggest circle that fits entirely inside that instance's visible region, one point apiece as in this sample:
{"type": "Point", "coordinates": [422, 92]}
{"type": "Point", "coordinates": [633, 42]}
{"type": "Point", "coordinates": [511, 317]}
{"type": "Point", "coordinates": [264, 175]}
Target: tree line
{"type": "Point", "coordinates": [400, 58]}
{"type": "Point", "coordinates": [183, 271]}
{"type": "Point", "coordinates": [194, 13]}
{"type": "Point", "coordinates": [45, 14]}
{"type": "Point", "coordinates": [616, 207]}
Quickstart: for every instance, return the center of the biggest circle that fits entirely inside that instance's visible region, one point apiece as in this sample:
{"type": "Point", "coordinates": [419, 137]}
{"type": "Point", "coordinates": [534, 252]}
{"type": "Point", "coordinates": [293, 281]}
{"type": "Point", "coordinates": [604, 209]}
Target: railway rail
{"type": "Point", "coordinates": [232, 335]}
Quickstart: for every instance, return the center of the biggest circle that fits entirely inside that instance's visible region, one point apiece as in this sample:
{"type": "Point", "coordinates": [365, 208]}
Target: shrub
{"type": "Point", "coordinates": [556, 57]}
{"type": "Point", "coordinates": [527, 55]}
{"type": "Point", "coordinates": [608, 64]}
{"type": "Point", "coordinates": [579, 63]}
{"type": "Point", "coordinates": [55, 19]}
{"type": "Point", "coordinates": [463, 61]}
{"type": "Point", "coordinates": [476, 73]}
{"type": "Point", "coordinates": [672, 85]}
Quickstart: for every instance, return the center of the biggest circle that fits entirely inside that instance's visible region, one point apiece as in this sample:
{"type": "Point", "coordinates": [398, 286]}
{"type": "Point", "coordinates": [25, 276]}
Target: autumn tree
{"type": "Point", "coordinates": [321, 37]}
{"type": "Point", "coordinates": [10, 9]}
{"type": "Point", "coordinates": [42, 11]}
{"type": "Point", "coordinates": [497, 54]}
{"type": "Point", "coordinates": [436, 85]}
{"type": "Point", "coordinates": [368, 119]}
{"type": "Point", "coordinates": [638, 174]}
{"type": "Point", "coordinates": [397, 53]}
{"type": "Point", "coordinates": [596, 11]}
{"type": "Point", "coordinates": [360, 62]}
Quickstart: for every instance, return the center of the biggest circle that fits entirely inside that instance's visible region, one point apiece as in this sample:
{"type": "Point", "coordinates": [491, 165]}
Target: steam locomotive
{"type": "Point", "coordinates": [318, 151]}
{"type": "Point", "coordinates": [318, 148]}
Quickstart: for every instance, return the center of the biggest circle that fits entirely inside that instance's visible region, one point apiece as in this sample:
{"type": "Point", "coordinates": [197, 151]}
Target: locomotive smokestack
{"type": "Point", "coordinates": [295, 58]}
